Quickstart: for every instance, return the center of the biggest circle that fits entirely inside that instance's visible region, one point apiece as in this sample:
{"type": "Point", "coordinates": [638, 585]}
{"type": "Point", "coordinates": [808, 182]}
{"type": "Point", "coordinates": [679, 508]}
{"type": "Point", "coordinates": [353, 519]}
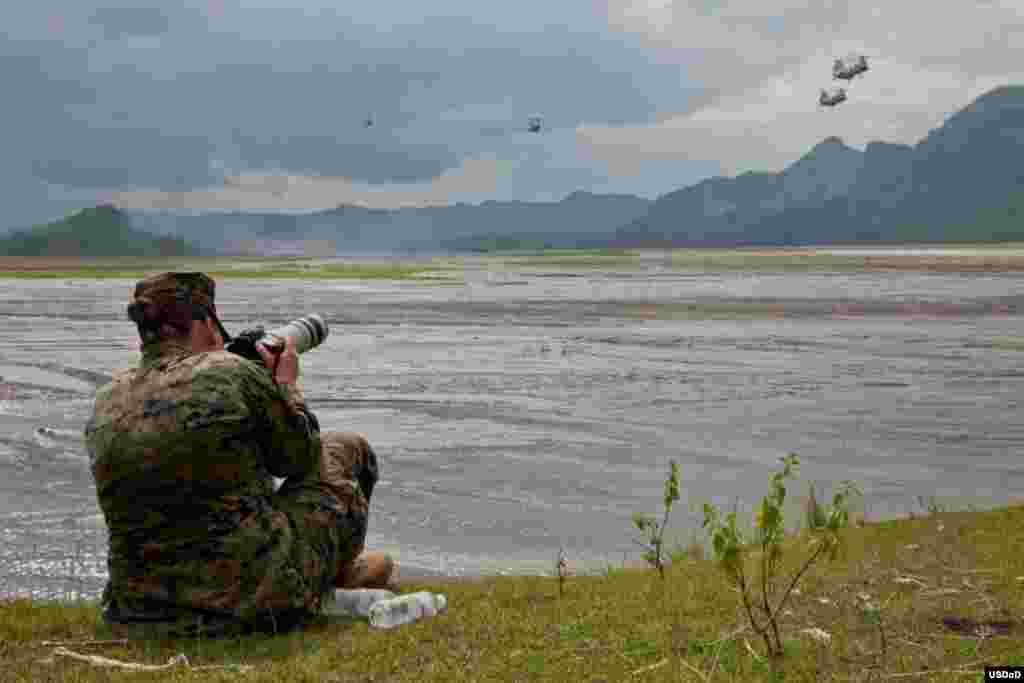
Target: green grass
{"type": "Point", "coordinates": [448, 270]}
{"type": "Point", "coordinates": [1008, 343]}
{"type": "Point", "coordinates": [625, 625]}
{"type": "Point", "coordinates": [566, 258]}
{"type": "Point", "coordinates": [701, 260]}
{"type": "Point", "coordinates": [701, 311]}
{"type": "Point", "coordinates": [240, 268]}
{"type": "Point", "coordinates": [558, 253]}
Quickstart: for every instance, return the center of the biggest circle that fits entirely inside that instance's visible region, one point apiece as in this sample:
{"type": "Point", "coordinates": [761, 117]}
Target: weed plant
{"type": "Point", "coordinates": [763, 597]}
{"type": "Point", "coordinates": [652, 531]}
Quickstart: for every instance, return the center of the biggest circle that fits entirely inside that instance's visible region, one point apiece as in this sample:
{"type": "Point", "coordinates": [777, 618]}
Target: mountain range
{"type": "Point", "coordinates": [580, 219]}
{"type": "Point", "coordinates": [964, 181]}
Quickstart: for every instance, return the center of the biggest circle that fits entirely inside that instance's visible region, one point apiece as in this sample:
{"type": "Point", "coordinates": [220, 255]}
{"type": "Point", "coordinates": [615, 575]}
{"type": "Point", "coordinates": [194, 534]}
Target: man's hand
{"type": "Point", "coordinates": [284, 365]}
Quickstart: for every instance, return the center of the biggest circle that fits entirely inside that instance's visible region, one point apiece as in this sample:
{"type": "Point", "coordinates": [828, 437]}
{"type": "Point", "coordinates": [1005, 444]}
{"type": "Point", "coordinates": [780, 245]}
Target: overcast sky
{"type": "Point", "coordinates": [260, 104]}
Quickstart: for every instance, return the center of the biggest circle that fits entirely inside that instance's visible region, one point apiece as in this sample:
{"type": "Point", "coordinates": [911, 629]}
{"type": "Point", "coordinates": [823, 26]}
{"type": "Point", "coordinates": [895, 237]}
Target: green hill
{"type": "Point", "coordinates": [99, 231]}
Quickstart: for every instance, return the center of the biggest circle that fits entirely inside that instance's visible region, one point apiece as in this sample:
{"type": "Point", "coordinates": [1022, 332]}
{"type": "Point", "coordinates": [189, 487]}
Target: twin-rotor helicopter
{"type": "Point", "coordinates": [843, 70]}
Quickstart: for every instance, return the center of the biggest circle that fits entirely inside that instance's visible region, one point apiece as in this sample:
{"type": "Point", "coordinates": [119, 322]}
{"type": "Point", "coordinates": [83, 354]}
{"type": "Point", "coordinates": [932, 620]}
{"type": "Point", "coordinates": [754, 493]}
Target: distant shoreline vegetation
{"type": "Point", "coordinates": [219, 267]}
{"type": "Point", "coordinates": [1008, 257]}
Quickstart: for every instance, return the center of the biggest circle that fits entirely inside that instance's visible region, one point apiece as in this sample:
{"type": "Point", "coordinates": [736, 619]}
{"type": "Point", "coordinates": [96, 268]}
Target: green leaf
{"type": "Point", "coordinates": [719, 545]}
{"type": "Point", "coordinates": [710, 516]}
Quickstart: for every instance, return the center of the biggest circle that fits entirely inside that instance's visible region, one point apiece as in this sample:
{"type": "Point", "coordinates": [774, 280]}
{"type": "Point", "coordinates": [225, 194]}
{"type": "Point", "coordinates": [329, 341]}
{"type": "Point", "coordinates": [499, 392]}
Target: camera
{"type": "Point", "coordinates": [309, 331]}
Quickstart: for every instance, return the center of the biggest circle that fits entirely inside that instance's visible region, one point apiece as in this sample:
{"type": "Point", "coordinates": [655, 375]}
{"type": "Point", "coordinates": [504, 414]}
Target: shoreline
{"type": "Point", "coordinates": [873, 257]}
{"type": "Point", "coordinates": [415, 577]}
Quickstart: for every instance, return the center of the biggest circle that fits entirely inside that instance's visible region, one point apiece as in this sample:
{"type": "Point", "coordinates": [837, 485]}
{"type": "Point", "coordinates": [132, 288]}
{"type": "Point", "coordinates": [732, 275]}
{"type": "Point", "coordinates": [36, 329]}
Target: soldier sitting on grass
{"type": "Point", "coordinates": [183, 448]}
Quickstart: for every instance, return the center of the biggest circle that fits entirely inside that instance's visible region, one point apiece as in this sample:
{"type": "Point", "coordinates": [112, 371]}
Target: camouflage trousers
{"type": "Point", "coordinates": [327, 513]}
{"type": "Point", "coordinates": [332, 508]}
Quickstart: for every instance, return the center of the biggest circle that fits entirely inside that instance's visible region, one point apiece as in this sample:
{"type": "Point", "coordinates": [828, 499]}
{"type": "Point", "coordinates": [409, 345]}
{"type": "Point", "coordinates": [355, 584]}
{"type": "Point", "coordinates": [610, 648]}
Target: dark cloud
{"type": "Point", "coordinates": [34, 79]}
{"type": "Point", "coordinates": [130, 20]}
{"type": "Point", "coordinates": [288, 89]}
{"type": "Point", "coordinates": [567, 77]}
{"type": "Point", "coordinates": [125, 158]}
{"type": "Point", "coordinates": [371, 160]}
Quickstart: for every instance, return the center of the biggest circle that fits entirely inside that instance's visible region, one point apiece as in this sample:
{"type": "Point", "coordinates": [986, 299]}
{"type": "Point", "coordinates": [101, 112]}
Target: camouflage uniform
{"type": "Point", "coordinates": [182, 451]}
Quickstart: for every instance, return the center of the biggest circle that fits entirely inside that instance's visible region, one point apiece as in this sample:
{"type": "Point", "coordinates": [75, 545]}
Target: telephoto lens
{"type": "Point", "coordinates": [309, 331]}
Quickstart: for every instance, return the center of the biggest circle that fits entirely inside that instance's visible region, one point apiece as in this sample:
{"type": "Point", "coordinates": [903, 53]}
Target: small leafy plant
{"type": "Point", "coordinates": [871, 613]}
{"type": "Point", "coordinates": [763, 594]}
{"type": "Point", "coordinates": [653, 541]}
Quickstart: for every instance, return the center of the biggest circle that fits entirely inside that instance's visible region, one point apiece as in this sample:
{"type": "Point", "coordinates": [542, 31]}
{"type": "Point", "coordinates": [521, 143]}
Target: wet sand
{"type": "Point", "coordinates": [527, 411]}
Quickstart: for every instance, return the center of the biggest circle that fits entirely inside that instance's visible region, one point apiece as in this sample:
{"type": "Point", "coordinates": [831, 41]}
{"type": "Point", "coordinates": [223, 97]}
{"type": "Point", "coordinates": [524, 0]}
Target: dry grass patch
{"type": "Point", "coordinates": [975, 263]}
{"type": "Point", "coordinates": [811, 260]}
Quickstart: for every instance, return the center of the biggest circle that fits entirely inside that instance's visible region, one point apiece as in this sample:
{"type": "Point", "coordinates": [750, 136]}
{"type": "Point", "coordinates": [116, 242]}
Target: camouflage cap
{"type": "Point", "coordinates": [174, 300]}
{"type": "Point", "coordinates": [167, 289]}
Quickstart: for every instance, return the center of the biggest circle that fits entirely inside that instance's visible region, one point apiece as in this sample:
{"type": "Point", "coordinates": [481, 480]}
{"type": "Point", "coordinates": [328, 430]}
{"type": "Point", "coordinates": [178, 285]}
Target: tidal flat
{"type": "Point", "coordinates": [523, 408]}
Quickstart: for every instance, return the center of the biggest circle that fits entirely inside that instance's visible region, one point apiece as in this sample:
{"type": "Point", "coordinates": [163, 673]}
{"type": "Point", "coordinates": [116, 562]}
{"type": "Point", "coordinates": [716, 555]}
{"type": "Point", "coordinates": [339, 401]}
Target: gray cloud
{"type": "Point", "coordinates": [119, 96]}
{"type": "Point", "coordinates": [300, 106]}
{"type": "Point", "coordinates": [130, 20]}
{"type": "Point", "coordinates": [764, 63]}
{"type": "Point", "coordinates": [368, 160]}
{"type": "Point", "coordinates": [124, 157]}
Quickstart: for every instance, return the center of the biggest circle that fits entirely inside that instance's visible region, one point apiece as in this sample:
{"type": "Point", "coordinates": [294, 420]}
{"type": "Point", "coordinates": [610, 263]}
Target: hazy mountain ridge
{"type": "Point", "coordinates": [580, 219]}
{"type": "Point", "coordinates": [962, 181]}
{"type": "Point", "coordinates": [964, 172]}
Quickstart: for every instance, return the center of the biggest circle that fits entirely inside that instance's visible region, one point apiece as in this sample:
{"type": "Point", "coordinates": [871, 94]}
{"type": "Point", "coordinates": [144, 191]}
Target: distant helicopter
{"type": "Point", "coordinates": [534, 124]}
{"type": "Point", "coordinates": [847, 71]}
{"type": "Point", "coordinates": [830, 100]}
{"type": "Point", "coordinates": [368, 122]}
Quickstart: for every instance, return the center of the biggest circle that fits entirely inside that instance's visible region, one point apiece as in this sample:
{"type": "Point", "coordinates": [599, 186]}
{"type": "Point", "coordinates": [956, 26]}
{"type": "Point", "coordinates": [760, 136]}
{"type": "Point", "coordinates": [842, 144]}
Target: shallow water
{"type": "Point", "coordinates": [524, 411]}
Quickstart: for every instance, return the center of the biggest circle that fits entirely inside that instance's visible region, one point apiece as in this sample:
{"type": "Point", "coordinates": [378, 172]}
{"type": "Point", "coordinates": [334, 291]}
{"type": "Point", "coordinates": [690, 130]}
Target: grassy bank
{"type": "Point", "coordinates": [989, 258]}
{"type": "Point", "coordinates": [570, 259]}
{"type": "Point", "coordinates": [949, 585]}
{"type": "Point", "coordinates": [449, 270]}
{"type": "Point", "coordinates": [1008, 343]}
{"type": "Point", "coordinates": [221, 267]}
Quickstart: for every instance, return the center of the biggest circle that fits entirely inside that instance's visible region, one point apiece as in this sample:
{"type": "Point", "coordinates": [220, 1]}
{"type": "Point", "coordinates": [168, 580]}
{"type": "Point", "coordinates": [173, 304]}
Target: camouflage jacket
{"type": "Point", "coordinates": [182, 450]}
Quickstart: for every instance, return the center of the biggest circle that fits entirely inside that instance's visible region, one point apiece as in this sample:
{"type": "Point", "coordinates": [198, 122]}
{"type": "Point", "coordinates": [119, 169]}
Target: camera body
{"type": "Point", "coordinates": [308, 332]}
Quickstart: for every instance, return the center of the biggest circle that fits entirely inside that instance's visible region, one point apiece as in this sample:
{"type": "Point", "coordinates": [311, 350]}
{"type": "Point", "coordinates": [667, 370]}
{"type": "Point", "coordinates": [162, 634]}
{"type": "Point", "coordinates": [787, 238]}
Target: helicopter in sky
{"type": "Point", "coordinates": [827, 99]}
{"type": "Point", "coordinates": [847, 70]}
{"type": "Point", "coordinates": [368, 122]}
{"type": "Point", "coordinates": [533, 125]}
